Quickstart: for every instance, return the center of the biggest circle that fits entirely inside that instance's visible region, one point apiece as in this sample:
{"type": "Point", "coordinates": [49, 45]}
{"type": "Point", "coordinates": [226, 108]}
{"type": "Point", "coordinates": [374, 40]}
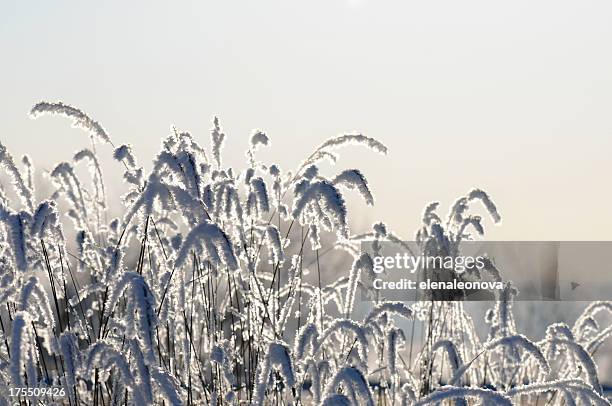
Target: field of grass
{"type": "Point", "coordinates": [211, 288]}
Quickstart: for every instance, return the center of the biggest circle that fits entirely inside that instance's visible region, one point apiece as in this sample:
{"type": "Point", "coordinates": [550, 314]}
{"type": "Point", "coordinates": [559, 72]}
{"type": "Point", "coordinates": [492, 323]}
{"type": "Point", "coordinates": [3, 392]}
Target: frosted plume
{"type": "Point", "coordinates": [209, 237]}
{"type": "Point", "coordinates": [79, 118]}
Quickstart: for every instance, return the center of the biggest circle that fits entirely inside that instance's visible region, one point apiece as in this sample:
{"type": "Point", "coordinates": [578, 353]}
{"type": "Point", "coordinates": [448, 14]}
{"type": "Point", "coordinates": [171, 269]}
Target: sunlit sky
{"type": "Point", "coordinates": [514, 97]}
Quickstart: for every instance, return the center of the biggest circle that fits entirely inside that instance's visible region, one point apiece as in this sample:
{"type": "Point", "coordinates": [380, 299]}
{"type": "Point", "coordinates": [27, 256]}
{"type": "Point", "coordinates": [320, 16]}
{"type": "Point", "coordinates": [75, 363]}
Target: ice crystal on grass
{"type": "Point", "coordinates": [321, 200]}
{"type": "Point", "coordinates": [207, 289]}
{"type": "Point", "coordinates": [448, 393]}
{"type": "Point", "coordinates": [209, 237]}
{"type": "Point", "coordinates": [354, 383]}
{"type": "Point", "coordinates": [277, 357]}
{"type": "Point", "coordinates": [354, 179]}
{"type": "Point", "coordinates": [24, 192]}
{"type": "Point", "coordinates": [21, 347]}
{"type": "Point", "coordinates": [79, 118]}
{"type": "Point", "coordinates": [141, 319]}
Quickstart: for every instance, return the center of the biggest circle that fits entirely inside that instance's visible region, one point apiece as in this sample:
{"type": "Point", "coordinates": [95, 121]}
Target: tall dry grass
{"type": "Point", "coordinates": [213, 287]}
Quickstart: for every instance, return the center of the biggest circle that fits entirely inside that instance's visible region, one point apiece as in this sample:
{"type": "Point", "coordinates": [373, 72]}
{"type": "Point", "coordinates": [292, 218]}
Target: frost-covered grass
{"type": "Point", "coordinates": [197, 293]}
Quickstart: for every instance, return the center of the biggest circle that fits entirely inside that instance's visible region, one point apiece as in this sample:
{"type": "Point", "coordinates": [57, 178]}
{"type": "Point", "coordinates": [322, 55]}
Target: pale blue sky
{"type": "Point", "coordinates": [514, 97]}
